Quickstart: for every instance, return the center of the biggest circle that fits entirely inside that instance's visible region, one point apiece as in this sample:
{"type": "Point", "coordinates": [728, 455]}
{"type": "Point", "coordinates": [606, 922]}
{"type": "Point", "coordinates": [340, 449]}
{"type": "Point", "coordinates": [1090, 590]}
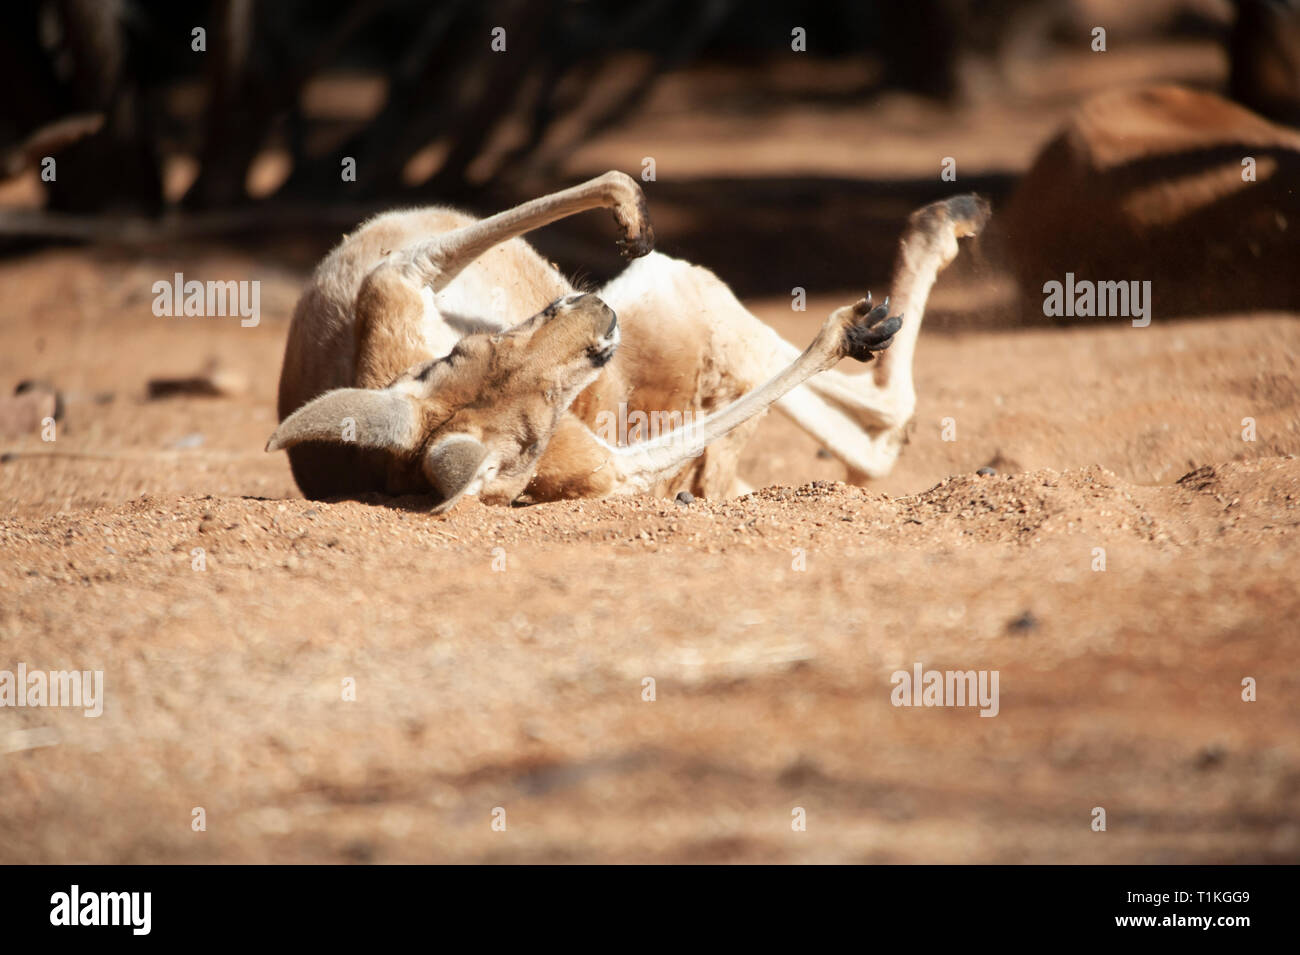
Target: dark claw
{"type": "Point", "coordinates": [864, 339]}
{"type": "Point", "coordinates": [643, 244]}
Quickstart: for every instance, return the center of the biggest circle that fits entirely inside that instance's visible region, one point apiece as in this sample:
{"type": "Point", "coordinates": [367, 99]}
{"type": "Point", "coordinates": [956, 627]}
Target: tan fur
{"type": "Point", "coordinates": [473, 367]}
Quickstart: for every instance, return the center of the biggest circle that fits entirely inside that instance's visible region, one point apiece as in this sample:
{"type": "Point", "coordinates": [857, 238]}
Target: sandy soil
{"type": "Point", "coordinates": [521, 686]}
{"type": "Point", "coordinates": [498, 655]}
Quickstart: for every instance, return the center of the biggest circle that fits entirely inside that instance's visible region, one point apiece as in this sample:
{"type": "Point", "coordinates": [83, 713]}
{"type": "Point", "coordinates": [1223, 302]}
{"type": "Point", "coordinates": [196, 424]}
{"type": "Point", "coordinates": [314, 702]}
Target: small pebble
{"type": "Point", "coordinates": [1024, 623]}
{"type": "Point", "coordinates": [685, 497]}
{"type": "Point", "coordinates": [986, 471]}
{"type": "Point", "coordinates": [1210, 757]}
{"type": "Point", "coordinates": [192, 440]}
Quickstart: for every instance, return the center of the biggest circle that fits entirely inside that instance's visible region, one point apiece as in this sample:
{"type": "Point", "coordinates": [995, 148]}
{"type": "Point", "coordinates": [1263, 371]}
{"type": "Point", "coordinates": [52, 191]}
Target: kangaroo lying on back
{"type": "Point", "coordinates": [437, 354]}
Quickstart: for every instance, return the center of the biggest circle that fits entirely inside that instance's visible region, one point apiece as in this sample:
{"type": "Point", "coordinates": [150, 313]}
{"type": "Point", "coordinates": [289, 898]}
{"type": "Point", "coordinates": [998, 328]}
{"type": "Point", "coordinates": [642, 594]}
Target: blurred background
{"type": "Point", "coordinates": [797, 132]}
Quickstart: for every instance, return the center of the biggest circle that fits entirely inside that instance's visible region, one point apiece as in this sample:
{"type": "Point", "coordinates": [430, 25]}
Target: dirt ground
{"type": "Point", "coordinates": [498, 654]}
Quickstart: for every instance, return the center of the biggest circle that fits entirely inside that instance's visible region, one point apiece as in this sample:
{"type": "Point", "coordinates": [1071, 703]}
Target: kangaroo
{"type": "Point", "coordinates": [435, 354]}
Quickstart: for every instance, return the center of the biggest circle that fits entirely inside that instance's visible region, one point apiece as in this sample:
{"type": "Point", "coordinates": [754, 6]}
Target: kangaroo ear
{"type": "Point", "coordinates": [361, 416]}
{"type": "Point", "coordinates": [451, 466]}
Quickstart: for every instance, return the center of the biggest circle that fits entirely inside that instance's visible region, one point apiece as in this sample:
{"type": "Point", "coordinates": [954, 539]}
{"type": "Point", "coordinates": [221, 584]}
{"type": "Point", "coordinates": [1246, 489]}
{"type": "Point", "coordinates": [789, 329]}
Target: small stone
{"type": "Point", "coordinates": [187, 442]}
{"type": "Point", "coordinates": [213, 382]}
{"type": "Point", "coordinates": [37, 386]}
{"type": "Point", "coordinates": [24, 413]}
{"type": "Point", "coordinates": [986, 471]}
{"type": "Point", "coordinates": [1210, 757]}
{"type": "Point", "coordinates": [685, 497]}
{"type": "Point", "coordinates": [1023, 624]}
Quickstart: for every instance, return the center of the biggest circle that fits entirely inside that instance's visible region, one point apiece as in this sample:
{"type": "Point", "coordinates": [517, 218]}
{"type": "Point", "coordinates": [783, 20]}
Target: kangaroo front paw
{"type": "Point", "coordinates": [867, 330]}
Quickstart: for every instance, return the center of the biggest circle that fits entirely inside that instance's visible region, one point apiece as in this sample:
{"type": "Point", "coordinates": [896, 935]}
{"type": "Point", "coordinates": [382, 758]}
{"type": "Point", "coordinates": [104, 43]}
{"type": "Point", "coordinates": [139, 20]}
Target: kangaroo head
{"type": "Point", "coordinates": [477, 420]}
